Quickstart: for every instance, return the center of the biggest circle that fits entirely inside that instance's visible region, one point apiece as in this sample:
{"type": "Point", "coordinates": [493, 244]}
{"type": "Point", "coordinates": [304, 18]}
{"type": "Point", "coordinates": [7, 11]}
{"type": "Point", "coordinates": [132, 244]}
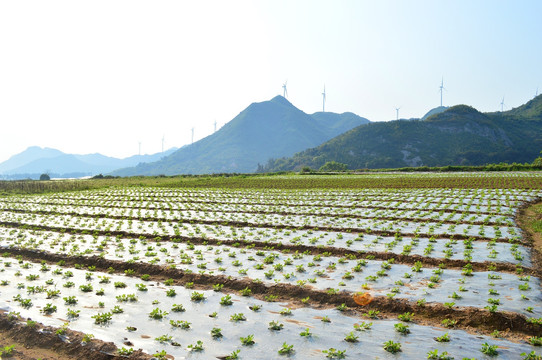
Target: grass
{"type": "Point", "coordinates": [277, 181]}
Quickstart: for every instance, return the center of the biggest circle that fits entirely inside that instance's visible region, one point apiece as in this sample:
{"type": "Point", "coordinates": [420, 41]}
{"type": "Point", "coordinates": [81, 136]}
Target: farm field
{"type": "Point", "coordinates": [437, 267]}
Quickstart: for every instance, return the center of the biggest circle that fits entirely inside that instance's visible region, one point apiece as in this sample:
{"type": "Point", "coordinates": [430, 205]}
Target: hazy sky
{"type": "Point", "coordinates": [100, 76]}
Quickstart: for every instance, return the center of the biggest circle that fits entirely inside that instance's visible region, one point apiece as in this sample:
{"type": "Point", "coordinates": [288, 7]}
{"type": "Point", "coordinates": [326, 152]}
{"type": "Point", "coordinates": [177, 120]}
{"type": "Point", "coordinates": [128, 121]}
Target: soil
{"type": "Point", "coordinates": [527, 216]}
{"type": "Point", "coordinates": [42, 342]}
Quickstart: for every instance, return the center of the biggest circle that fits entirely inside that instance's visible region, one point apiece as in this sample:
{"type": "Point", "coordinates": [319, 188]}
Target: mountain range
{"type": "Point", "coordinates": [460, 135]}
{"type": "Point", "coordinates": [36, 160]}
{"type": "Point", "coordinates": [264, 130]}
{"type": "Point", "coordinates": [274, 136]}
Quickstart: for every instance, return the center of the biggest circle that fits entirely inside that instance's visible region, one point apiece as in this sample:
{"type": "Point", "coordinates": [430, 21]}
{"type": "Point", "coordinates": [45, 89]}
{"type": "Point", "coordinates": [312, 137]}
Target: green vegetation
{"type": "Point", "coordinates": [282, 181]}
{"type": "Point", "coordinates": [509, 137]}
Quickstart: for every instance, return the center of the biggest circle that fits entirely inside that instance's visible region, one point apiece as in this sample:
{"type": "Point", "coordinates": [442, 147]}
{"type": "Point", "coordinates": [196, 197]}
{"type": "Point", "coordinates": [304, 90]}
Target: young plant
{"type": "Point", "coordinates": [247, 340]}
{"type": "Point", "coordinates": [351, 337]}
{"type": "Point", "coordinates": [275, 325]}
{"type": "Point", "coordinates": [443, 338]}
{"type": "Point", "coordinates": [490, 350]}
{"type": "Point", "coordinates": [216, 333]}
{"type": "Point", "coordinates": [402, 328]}
{"type": "Point", "coordinates": [198, 346]}
{"type": "Point", "coordinates": [392, 347]}
{"type": "Point", "coordinates": [333, 353]}
{"type": "Point", "coordinates": [286, 349]}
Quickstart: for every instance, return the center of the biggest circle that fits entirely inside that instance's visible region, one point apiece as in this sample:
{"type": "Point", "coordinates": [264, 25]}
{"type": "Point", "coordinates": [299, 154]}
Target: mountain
{"type": "Point", "coordinates": [35, 160]}
{"type": "Point", "coordinates": [435, 111]}
{"type": "Point", "coordinates": [460, 135]}
{"type": "Point", "coordinates": [264, 130]}
{"type": "Point", "coordinates": [27, 156]}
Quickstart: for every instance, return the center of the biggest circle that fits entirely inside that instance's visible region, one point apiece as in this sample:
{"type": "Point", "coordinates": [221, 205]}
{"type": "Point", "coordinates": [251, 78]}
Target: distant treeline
{"type": "Point", "coordinates": [454, 168]}
{"type": "Point", "coordinates": [280, 179]}
{"type": "Point", "coordinates": [336, 168]}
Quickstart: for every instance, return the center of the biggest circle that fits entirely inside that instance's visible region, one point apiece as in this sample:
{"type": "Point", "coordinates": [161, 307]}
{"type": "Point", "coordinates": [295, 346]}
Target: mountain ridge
{"type": "Point", "coordinates": [460, 135]}
{"type": "Point", "coordinates": [272, 128]}
{"type": "Point", "coordinates": [35, 160]}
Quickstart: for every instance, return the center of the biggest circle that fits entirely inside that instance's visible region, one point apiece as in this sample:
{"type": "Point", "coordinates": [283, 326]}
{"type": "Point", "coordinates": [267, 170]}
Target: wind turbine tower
{"type": "Point", "coordinates": [284, 90]}
{"type": "Point", "coordinates": [139, 142]}
{"type": "Point", "coordinates": [324, 100]}
{"type": "Point", "coordinates": [440, 89]}
{"type": "Point", "coordinates": [215, 126]}
{"type": "Point", "coordinates": [162, 143]}
{"type": "Point", "coordinates": [535, 95]}
{"type": "Point", "coordinates": [502, 104]}
{"type": "Point", "coordinates": [397, 110]}
{"type": "Point", "coordinates": [192, 135]}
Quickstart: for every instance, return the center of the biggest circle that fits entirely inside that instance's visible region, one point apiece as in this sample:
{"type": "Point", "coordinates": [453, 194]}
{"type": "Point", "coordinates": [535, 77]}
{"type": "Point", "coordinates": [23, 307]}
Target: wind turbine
{"type": "Point", "coordinates": [215, 126]}
{"type": "Point", "coordinates": [139, 142]}
{"type": "Point", "coordinates": [441, 87]}
{"type": "Point", "coordinates": [502, 104]}
{"type": "Point", "coordinates": [324, 99]}
{"type": "Point", "coordinates": [397, 110]}
{"type": "Point", "coordinates": [162, 143]}
{"type": "Point", "coordinates": [535, 95]}
{"type": "Point", "coordinates": [285, 91]}
{"type": "Point", "coordinates": [192, 135]}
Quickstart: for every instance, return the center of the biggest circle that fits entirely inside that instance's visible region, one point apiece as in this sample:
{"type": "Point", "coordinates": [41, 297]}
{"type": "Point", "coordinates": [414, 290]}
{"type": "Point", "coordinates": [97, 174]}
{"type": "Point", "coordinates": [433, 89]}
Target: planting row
{"type": "Point", "coordinates": [492, 201]}
{"type": "Point", "coordinates": [496, 291]}
{"type": "Point", "coordinates": [163, 318]}
{"type": "Point", "coordinates": [184, 211]}
{"type": "Point", "coordinates": [433, 246]}
{"type": "Point", "coordinates": [500, 233]}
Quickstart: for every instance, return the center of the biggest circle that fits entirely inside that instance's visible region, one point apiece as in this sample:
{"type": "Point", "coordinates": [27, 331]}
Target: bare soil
{"type": "Point", "coordinates": [527, 217]}
{"type": "Point", "coordinates": [42, 342]}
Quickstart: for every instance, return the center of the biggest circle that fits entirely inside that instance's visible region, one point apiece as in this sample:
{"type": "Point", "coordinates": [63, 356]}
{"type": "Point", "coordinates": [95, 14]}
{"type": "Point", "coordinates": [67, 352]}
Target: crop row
{"type": "Point", "coordinates": [180, 321]}
{"type": "Point", "coordinates": [430, 246]}
{"type": "Point", "coordinates": [214, 210]}
{"type": "Point", "coordinates": [492, 199]}
{"type": "Point", "coordinates": [322, 272]}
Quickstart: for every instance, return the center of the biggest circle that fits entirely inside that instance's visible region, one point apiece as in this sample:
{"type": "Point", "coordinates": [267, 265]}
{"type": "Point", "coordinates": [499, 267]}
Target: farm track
{"type": "Point", "coordinates": [474, 320]}
{"type": "Point", "coordinates": [241, 224]}
{"type": "Point", "coordinates": [42, 341]}
{"type": "Point", "coordinates": [285, 213]}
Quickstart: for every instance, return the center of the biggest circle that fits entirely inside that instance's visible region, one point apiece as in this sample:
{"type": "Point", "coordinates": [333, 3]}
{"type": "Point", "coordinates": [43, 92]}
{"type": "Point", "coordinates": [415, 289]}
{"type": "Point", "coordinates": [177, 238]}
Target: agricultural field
{"type": "Point", "coordinates": [425, 266]}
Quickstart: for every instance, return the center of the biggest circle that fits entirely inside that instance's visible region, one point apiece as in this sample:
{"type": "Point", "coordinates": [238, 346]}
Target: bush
{"type": "Point", "coordinates": [45, 177]}
{"type": "Point", "coordinates": [334, 166]}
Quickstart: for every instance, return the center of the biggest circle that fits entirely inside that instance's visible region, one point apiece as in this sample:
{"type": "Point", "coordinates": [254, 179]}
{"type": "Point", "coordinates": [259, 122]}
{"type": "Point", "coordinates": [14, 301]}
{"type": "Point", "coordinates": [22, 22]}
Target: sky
{"type": "Point", "coordinates": [106, 76]}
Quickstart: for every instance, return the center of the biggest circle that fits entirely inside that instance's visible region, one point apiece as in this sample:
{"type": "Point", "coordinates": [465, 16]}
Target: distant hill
{"type": "Point", "coordinates": [460, 135]}
{"type": "Point", "coordinates": [35, 160]}
{"type": "Point", "coordinates": [27, 156]}
{"type": "Point", "coordinates": [274, 128]}
{"type": "Point", "coordinates": [435, 111]}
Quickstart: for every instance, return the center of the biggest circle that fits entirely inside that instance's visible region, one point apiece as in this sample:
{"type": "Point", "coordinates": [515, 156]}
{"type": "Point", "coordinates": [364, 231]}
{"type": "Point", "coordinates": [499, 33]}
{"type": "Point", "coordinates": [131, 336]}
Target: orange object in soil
{"type": "Point", "coordinates": [363, 298]}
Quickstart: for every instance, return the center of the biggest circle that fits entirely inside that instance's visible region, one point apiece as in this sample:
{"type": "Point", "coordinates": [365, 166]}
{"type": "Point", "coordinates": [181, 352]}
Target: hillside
{"type": "Point", "coordinates": [274, 128]}
{"type": "Point", "coordinates": [435, 111]}
{"type": "Point", "coordinates": [461, 135]}
{"type": "Point", "coordinates": [35, 160]}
